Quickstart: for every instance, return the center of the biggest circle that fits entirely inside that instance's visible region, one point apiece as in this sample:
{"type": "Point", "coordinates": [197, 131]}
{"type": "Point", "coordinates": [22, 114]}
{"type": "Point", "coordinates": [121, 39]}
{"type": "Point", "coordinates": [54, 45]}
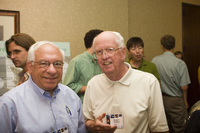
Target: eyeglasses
{"type": "Point", "coordinates": [14, 52]}
{"type": "Point", "coordinates": [108, 51]}
{"type": "Point", "coordinates": [46, 64]}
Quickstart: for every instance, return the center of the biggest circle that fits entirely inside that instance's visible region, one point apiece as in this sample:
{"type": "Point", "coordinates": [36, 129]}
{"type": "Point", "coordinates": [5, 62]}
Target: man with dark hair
{"type": "Point", "coordinates": [83, 67]}
{"type": "Point", "coordinates": [135, 46]}
{"type": "Point", "coordinates": [174, 84]}
{"type": "Point", "coordinates": [17, 49]}
{"type": "Point", "coordinates": [179, 54]}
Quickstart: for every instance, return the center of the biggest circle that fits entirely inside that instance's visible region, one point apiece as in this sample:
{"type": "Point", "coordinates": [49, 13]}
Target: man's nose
{"type": "Point", "coordinates": [137, 50]}
{"type": "Point", "coordinates": [104, 54]}
{"type": "Point", "coordinates": [51, 69]}
{"type": "Point", "coordinates": [12, 55]}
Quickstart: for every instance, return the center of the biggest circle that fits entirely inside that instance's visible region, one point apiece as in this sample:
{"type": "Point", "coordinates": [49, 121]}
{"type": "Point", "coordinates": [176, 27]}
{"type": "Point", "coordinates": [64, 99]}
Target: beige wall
{"type": "Point", "coordinates": [151, 19]}
{"type": "Point", "coordinates": [69, 20]}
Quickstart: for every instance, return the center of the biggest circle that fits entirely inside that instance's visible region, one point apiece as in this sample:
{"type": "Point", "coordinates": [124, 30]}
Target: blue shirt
{"type": "Point", "coordinates": [173, 73]}
{"type": "Point", "coordinates": [29, 109]}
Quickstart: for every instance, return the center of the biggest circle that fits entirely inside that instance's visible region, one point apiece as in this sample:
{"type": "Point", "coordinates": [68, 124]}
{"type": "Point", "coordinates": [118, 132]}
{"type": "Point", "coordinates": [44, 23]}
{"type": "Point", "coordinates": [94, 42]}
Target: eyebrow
{"type": "Point", "coordinates": [15, 50]}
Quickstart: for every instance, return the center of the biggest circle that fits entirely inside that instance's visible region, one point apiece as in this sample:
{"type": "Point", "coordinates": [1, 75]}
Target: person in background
{"type": "Point", "coordinates": [179, 54]}
{"type": "Point", "coordinates": [193, 124]}
{"type": "Point", "coordinates": [17, 49]}
{"type": "Point", "coordinates": [135, 46]}
{"type": "Point", "coordinates": [130, 99]}
{"type": "Point", "coordinates": [83, 67]}
{"type": "Point", "coordinates": [42, 104]}
{"type": "Point", "coordinates": [174, 84]}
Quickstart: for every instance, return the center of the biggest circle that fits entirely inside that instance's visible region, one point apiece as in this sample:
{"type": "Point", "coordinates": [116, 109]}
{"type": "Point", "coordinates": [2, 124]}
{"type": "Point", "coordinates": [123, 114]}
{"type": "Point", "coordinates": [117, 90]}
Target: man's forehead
{"type": "Point", "coordinates": [14, 46]}
{"type": "Point", "coordinates": [106, 35]}
{"type": "Point", "coordinates": [106, 39]}
{"type": "Point", "coordinates": [47, 50]}
{"type": "Point", "coordinates": [46, 47]}
{"type": "Point", "coordinates": [106, 43]}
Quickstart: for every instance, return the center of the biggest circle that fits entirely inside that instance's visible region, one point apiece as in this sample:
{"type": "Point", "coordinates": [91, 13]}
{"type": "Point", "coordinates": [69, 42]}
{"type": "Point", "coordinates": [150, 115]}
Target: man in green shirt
{"type": "Point", "coordinates": [135, 46]}
{"type": "Point", "coordinates": [83, 67]}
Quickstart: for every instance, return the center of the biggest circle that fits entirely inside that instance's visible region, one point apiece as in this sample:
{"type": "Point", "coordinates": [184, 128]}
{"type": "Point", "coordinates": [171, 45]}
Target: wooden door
{"type": "Point", "coordinates": [191, 47]}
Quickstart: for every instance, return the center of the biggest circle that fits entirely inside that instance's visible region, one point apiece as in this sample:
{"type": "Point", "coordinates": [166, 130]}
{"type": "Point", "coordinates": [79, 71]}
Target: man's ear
{"type": "Point", "coordinates": [123, 50]}
{"type": "Point", "coordinates": [29, 66]}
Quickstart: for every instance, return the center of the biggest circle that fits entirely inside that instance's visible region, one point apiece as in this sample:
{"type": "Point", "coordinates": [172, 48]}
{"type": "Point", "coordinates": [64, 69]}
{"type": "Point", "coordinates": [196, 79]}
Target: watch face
{"type": "Point", "coordinates": [1, 83]}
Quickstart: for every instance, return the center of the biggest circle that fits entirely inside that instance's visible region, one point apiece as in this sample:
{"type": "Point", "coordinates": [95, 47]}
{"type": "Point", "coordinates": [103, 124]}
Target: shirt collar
{"type": "Point", "coordinates": [144, 63]}
{"type": "Point", "coordinates": [125, 80]}
{"type": "Point", "coordinates": [42, 92]}
{"type": "Point", "coordinates": [168, 53]}
{"type": "Point", "coordinates": [89, 56]}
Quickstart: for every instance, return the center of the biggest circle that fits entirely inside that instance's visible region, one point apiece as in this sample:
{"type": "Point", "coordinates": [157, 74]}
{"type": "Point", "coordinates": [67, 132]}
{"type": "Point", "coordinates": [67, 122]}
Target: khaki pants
{"type": "Point", "coordinates": [176, 113]}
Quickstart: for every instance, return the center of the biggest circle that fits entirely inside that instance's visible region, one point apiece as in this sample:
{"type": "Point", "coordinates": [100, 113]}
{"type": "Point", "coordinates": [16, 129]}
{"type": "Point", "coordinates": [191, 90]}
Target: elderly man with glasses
{"type": "Point", "coordinates": [121, 100]}
{"type": "Point", "coordinates": [42, 104]}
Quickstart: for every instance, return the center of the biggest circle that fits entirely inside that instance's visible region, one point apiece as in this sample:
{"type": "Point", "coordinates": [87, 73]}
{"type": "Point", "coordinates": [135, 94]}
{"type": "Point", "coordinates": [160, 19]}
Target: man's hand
{"type": "Point", "coordinates": [82, 90]}
{"type": "Point", "coordinates": [98, 127]}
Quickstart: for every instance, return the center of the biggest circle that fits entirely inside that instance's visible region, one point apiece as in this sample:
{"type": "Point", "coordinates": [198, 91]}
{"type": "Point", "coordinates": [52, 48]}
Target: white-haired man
{"type": "Point", "coordinates": [42, 104]}
{"type": "Point", "coordinates": [130, 99]}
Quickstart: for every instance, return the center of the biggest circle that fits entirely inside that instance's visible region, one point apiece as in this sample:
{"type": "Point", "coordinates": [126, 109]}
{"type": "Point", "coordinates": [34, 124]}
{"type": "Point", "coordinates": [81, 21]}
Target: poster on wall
{"type": "Point", "coordinates": [9, 23]}
{"type": "Point", "coordinates": [9, 73]}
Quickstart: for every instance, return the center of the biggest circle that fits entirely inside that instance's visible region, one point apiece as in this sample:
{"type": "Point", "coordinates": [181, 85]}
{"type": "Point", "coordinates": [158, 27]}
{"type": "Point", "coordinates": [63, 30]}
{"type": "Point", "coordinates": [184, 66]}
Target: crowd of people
{"type": "Point", "coordinates": [101, 92]}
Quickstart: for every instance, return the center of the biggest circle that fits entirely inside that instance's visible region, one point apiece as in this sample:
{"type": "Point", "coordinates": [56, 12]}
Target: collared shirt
{"type": "Point", "coordinates": [173, 73]}
{"type": "Point", "coordinates": [80, 70]}
{"type": "Point", "coordinates": [29, 109]}
{"type": "Point", "coordinates": [149, 67]}
{"type": "Point", "coordinates": [23, 76]}
{"type": "Point", "coordinates": [137, 96]}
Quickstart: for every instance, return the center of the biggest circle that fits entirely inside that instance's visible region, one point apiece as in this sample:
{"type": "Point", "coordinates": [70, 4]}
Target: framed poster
{"type": "Point", "coordinates": [9, 24]}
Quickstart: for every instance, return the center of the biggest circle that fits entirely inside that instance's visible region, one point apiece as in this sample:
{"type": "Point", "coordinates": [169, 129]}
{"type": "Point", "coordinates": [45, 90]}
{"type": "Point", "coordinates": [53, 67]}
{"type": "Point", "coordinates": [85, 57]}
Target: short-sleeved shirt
{"type": "Point", "coordinates": [137, 96]}
{"type": "Point", "coordinates": [149, 67]}
{"type": "Point", "coordinates": [80, 70]}
{"type": "Point", "coordinates": [173, 73]}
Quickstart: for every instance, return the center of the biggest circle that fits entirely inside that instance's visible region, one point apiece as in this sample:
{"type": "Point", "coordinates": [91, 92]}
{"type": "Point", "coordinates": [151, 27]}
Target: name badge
{"type": "Point", "coordinates": [62, 130]}
{"type": "Point", "coordinates": [115, 119]}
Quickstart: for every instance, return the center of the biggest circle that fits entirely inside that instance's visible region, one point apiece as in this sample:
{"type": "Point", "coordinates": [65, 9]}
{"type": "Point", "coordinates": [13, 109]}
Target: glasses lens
{"type": "Point", "coordinates": [43, 64]}
{"type": "Point", "coordinates": [110, 51]}
{"type": "Point", "coordinates": [46, 64]}
{"type": "Point", "coordinates": [58, 64]}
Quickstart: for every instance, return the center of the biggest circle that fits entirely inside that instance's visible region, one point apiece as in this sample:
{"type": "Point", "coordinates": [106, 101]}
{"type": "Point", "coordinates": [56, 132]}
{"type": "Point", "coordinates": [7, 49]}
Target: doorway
{"type": "Point", "coordinates": [191, 47]}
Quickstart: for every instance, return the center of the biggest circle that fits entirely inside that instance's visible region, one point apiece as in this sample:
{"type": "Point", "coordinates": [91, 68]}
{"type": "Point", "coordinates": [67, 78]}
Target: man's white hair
{"type": "Point", "coordinates": [34, 47]}
{"type": "Point", "coordinates": [118, 38]}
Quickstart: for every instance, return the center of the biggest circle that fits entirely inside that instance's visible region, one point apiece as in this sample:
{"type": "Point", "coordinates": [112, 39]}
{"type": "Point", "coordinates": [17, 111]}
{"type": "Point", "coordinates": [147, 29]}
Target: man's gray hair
{"type": "Point", "coordinates": [119, 39]}
{"type": "Point", "coordinates": [34, 47]}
